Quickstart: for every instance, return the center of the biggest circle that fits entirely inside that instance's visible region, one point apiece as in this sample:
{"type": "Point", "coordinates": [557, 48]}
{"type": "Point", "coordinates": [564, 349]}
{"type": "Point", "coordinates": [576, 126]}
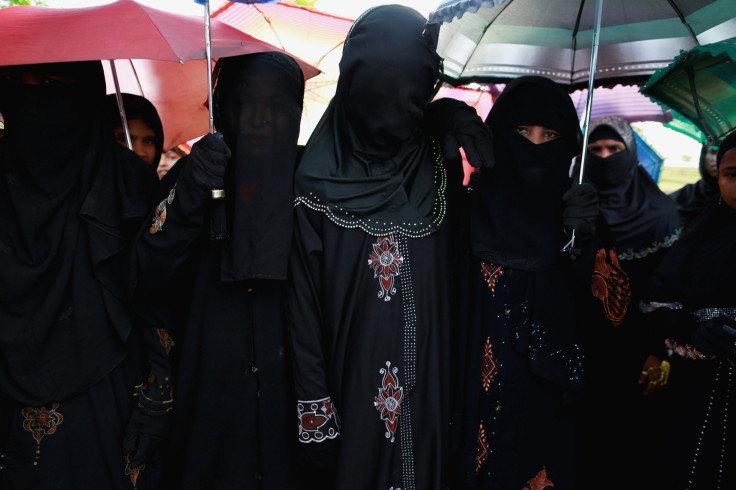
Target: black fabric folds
{"type": "Point", "coordinates": [70, 196]}
{"type": "Point", "coordinates": [693, 198]}
{"type": "Point", "coordinates": [642, 219]}
{"type": "Point", "coordinates": [516, 219]}
{"type": "Point", "coordinates": [258, 106]}
{"type": "Point", "coordinates": [368, 164]}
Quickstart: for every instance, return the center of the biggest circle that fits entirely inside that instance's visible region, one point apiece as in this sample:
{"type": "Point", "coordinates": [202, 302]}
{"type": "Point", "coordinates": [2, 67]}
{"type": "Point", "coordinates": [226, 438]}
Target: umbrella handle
{"type": "Point", "coordinates": [216, 193]}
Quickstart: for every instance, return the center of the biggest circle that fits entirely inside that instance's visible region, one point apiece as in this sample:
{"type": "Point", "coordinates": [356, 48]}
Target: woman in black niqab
{"type": "Point", "coordinates": [368, 163]}
{"type": "Point", "coordinates": [641, 219]}
{"type": "Point", "coordinates": [70, 201]}
{"type": "Point", "coordinates": [374, 269]}
{"type": "Point", "coordinates": [523, 365]}
{"type": "Point", "coordinates": [233, 423]}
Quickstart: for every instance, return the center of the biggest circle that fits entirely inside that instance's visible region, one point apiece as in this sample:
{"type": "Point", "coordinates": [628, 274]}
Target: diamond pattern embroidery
{"type": "Point", "coordinates": [488, 367]}
{"type": "Point", "coordinates": [481, 452]}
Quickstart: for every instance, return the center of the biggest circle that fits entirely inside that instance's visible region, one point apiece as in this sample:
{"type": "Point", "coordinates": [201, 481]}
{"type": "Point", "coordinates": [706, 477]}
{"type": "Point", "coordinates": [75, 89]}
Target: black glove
{"type": "Point", "coordinates": [716, 337]}
{"type": "Point", "coordinates": [208, 160]}
{"type": "Point", "coordinates": [457, 125]}
{"type": "Point", "coordinates": [581, 210]}
{"type": "Point", "coordinates": [315, 462]}
{"type": "Point", "coordinates": [144, 436]}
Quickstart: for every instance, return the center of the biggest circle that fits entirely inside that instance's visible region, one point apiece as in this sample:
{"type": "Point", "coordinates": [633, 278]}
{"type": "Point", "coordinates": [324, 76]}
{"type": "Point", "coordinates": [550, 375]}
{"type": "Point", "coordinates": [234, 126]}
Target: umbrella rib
{"type": "Point", "coordinates": [270, 26]}
{"type": "Point", "coordinates": [488, 26]}
{"type": "Point", "coordinates": [321, 58]}
{"type": "Point", "coordinates": [684, 21]}
{"type": "Point", "coordinates": [575, 38]}
{"type": "Point", "coordinates": [137, 80]}
{"type": "Point", "coordinates": [691, 80]}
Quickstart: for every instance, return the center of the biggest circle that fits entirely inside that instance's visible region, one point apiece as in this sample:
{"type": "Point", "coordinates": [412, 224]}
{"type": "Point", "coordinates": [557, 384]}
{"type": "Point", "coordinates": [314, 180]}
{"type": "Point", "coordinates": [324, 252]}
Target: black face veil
{"type": "Point", "coordinates": [516, 219]}
{"type": "Point", "coordinates": [368, 163]}
{"type": "Point", "coordinates": [641, 217]}
{"type": "Point", "coordinates": [258, 104]}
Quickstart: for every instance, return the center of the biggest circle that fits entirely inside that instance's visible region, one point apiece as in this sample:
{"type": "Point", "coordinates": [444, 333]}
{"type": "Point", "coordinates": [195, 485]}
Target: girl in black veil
{"type": "Point", "coordinates": [692, 305]}
{"type": "Point", "coordinates": [144, 126]}
{"type": "Point", "coordinates": [233, 424]}
{"type": "Point", "coordinates": [71, 200]}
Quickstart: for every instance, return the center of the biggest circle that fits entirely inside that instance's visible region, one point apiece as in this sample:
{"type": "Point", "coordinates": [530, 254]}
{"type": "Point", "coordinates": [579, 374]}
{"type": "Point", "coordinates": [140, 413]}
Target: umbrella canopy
{"type": "Point", "coordinates": [621, 100]}
{"type": "Point", "coordinates": [126, 30]}
{"type": "Point", "coordinates": [700, 84]}
{"type": "Point", "coordinates": [498, 40]}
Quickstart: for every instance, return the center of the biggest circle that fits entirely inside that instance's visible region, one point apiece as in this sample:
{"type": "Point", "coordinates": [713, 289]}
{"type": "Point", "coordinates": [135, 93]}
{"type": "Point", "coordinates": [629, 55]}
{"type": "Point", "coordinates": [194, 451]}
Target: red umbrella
{"type": "Point", "coordinates": [126, 30]}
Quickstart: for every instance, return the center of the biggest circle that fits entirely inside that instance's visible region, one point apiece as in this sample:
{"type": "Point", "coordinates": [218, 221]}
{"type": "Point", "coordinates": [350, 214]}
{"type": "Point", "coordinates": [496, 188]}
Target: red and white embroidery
{"type": "Point", "coordinates": [317, 420]}
{"type": "Point", "coordinates": [385, 261]}
{"type": "Point", "coordinates": [488, 366]}
{"type": "Point", "coordinates": [491, 273]}
{"type": "Point", "coordinates": [388, 401]}
{"type": "Point", "coordinates": [159, 215]}
{"type": "Point", "coordinates": [481, 452]}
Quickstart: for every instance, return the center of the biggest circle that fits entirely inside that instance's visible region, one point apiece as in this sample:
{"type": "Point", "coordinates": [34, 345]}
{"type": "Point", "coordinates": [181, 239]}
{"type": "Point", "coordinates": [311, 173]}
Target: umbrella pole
{"type": "Point", "coordinates": [208, 52]}
{"type": "Point", "coordinates": [121, 107]}
{"type": "Point", "coordinates": [218, 224]}
{"type": "Point", "coordinates": [570, 246]}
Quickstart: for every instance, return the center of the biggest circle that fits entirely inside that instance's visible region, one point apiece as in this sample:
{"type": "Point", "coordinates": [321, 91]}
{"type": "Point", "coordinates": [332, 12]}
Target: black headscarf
{"type": "Point", "coordinates": [517, 215]}
{"type": "Point", "coordinates": [137, 107]}
{"type": "Point", "coordinates": [700, 268]}
{"type": "Point", "coordinates": [258, 106]}
{"type": "Point", "coordinates": [693, 198]}
{"type": "Point", "coordinates": [642, 219]}
{"type": "Point", "coordinates": [69, 197]}
{"type": "Point", "coordinates": [368, 164]}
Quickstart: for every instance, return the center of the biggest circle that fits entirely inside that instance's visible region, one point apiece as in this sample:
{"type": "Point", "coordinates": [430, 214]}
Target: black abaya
{"type": "Point", "coordinates": [523, 364]}
{"type": "Point", "coordinates": [71, 200]}
{"type": "Point", "coordinates": [233, 422]}
{"type": "Point", "coordinates": [374, 269]}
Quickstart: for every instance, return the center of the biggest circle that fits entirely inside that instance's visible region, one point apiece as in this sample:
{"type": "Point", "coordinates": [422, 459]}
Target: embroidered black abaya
{"type": "Point", "coordinates": [233, 421]}
{"type": "Point", "coordinates": [692, 287]}
{"type": "Point", "coordinates": [523, 364]}
{"type": "Point", "coordinates": [71, 200]}
{"type": "Point", "coordinates": [639, 222]}
{"type": "Point", "coordinates": [374, 269]}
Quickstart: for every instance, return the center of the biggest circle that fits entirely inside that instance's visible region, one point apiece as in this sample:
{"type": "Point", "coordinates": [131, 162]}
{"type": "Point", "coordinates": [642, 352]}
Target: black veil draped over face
{"type": "Point", "coordinates": [258, 106]}
{"type": "Point", "coordinates": [69, 196]}
{"type": "Point", "coordinates": [640, 216]}
{"type": "Point", "coordinates": [516, 220]}
{"type": "Point", "coordinates": [368, 164]}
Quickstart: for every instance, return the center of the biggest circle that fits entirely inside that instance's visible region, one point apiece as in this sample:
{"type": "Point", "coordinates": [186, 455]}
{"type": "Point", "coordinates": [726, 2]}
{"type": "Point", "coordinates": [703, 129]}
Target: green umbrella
{"type": "Point", "coordinates": [700, 85]}
{"type": "Point", "coordinates": [684, 126]}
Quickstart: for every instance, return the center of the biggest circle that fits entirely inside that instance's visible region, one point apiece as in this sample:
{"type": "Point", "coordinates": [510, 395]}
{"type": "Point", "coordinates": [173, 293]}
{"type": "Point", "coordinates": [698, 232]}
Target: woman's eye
{"type": "Point", "coordinates": [551, 135]}
{"type": "Point", "coordinates": [150, 141]}
{"type": "Point", "coordinates": [521, 130]}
